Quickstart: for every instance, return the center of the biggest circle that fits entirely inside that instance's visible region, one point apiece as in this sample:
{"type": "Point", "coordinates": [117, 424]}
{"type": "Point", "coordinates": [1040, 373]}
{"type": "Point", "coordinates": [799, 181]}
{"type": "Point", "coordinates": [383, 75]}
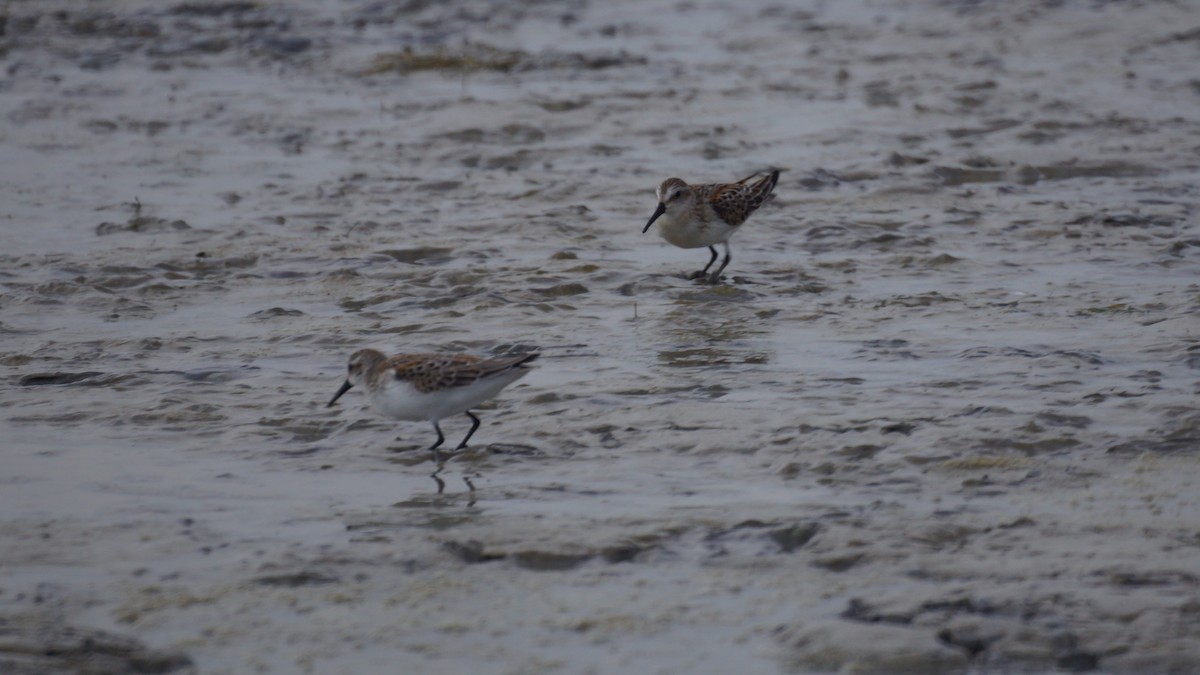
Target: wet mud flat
{"type": "Point", "coordinates": [940, 418]}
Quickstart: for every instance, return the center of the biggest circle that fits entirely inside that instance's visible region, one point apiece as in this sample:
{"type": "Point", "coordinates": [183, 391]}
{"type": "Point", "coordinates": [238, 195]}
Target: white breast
{"type": "Point", "coordinates": [683, 229]}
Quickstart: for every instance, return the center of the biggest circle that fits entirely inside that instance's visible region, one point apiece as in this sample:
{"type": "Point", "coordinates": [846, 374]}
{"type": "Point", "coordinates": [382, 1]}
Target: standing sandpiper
{"type": "Point", "coordinates": [692, 216]}
{"type": "Point", "coordinates": [431, 387]}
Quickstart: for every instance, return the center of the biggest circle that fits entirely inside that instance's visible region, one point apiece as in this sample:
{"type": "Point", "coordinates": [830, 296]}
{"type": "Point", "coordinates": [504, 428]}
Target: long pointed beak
{"type": "Point", "coordinates": [662, 208]}
{"type": "Point", "coordinates": [345, 388]}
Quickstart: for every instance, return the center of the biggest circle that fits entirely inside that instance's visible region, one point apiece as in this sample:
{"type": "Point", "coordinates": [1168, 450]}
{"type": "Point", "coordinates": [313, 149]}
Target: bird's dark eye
{"type": "Point", "coordinates": [350, 367]}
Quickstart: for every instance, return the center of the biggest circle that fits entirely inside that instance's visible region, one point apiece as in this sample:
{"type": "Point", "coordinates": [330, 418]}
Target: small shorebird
{"type": "Point", "coordinates": [431, 386]}
{"type": "Point", "coordinates": [692, 216]}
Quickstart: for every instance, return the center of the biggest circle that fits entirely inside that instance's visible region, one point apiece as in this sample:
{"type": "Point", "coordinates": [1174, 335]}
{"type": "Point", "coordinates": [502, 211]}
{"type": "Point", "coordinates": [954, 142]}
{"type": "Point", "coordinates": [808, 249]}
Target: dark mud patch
{"type": "Point", "coordinates": [31, 645]}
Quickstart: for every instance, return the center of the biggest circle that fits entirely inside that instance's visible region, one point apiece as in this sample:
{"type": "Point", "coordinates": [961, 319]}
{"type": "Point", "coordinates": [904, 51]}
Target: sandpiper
{"type": "Point", "coordinates": [431, 386]}
{"type": "Point", "coordinates": [692, 216]}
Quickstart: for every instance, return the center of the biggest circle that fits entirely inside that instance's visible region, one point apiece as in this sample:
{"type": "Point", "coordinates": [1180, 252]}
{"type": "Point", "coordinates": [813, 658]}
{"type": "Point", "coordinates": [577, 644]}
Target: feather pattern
{"type": "Point", "coordinates": [734, 202]}
{"type": "Point", "coordinates": [434, 372]}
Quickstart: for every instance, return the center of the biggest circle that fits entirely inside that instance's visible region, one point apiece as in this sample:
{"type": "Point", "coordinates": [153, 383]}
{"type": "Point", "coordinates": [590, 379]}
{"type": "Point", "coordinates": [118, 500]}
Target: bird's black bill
{"type": "Point", "coordinates": [345, 388]}
{"type": "Point", "coordinates": [662, 208]}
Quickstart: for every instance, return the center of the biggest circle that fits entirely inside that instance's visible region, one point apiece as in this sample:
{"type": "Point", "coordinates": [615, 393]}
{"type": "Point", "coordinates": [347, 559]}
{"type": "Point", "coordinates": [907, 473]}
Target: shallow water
{"type": "Point", "coordinates": [940, 415]}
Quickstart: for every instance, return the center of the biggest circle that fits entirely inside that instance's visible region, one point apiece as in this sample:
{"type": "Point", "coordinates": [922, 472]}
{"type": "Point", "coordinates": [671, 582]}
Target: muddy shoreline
{"type": "Point", "coordinates": [940, 417]}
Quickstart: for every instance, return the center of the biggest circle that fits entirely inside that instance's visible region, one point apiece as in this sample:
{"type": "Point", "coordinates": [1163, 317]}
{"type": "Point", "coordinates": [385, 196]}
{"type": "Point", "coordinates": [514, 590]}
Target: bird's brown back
{"type": "Point", "coordinates": [734, 202]}
{"type": "Point", "coordinates": [433, 372]}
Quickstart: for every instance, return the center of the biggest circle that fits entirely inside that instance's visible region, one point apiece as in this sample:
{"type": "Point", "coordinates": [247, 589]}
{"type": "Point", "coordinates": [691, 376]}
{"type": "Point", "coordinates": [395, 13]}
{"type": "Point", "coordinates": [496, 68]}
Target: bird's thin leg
{"type": "Point", "coordinates": [437, 456]}
{"type": "Point", "coordinates": [703, 272]}
{"type": "Point", "coordinates": [716, 276]}
{"type": "Point", "coordinates": [474, 426]}
{"type": "Point", "coordinates": [440, 483]}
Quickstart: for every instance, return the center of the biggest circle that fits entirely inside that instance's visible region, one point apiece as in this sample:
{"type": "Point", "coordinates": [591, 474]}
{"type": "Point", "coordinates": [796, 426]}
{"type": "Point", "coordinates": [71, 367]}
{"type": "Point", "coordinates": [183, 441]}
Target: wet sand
{"type": "Point", "coordinates": [941, 417]}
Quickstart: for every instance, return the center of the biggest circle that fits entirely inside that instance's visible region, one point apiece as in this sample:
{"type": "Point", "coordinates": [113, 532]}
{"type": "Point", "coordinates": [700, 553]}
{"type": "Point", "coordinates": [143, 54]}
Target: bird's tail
{"type": "Point", "coordinates": [760, 190]}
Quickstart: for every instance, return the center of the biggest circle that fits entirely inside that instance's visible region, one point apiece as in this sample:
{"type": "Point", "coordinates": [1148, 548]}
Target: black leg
{"type": "Point", "coordinates": [437, 456]}
{"type": "Point", "coordinates": [716, 276]}
{"type": "Point", "coordinates": [703, 272]}
{"type": "Point", "coordinates": [711, 260]}
{"type": "Point", "coordinates": [474, 426]}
